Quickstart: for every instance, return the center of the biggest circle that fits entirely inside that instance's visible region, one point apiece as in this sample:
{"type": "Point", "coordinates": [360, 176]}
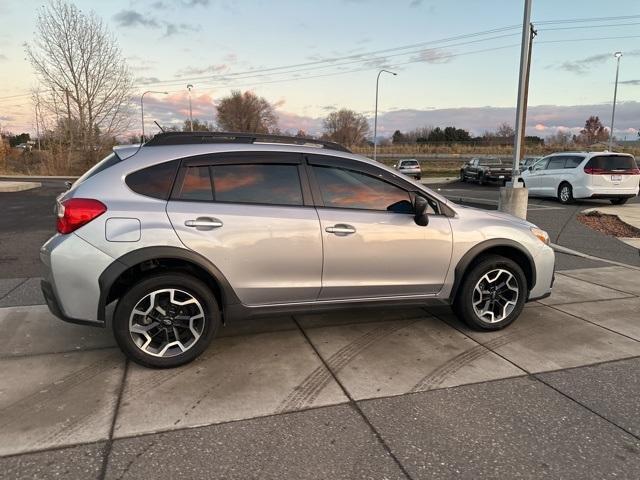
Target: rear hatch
{"type": "Point", "coordinates": [612, 171]}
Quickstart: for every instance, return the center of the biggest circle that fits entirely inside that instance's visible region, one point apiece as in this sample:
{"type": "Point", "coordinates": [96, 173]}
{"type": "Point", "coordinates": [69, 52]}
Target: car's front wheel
{"type": "Point", "coordinates": [166, 320]}
{"type": "Point", "coordinates": [492, 294]}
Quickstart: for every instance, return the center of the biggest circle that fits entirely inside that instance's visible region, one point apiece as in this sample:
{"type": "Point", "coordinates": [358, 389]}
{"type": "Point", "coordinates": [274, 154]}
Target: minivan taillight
{"type": "Point", "coordinates": [76, 212]}
{"type": "Point", "coordinates": [602, 171]}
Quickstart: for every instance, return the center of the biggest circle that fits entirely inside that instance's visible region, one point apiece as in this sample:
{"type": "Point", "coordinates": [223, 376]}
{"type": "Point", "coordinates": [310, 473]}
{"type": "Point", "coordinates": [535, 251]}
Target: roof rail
{"type": "Point", "coordinates": [191, 138]}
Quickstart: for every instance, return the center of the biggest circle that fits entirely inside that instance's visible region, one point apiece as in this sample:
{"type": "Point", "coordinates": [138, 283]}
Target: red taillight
{"type": "Point", "coordinates": [76, 212]}
{"type": "Point", "coordinates": [602, 171]}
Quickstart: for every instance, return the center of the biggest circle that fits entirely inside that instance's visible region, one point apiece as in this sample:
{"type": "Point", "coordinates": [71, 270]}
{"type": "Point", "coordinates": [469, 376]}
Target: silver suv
{"type": "Point", "coordinates": [166, 242]}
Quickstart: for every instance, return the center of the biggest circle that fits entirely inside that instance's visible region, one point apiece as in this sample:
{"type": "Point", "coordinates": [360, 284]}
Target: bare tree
{"type": "Point", "coordinates": [505, 131]}
{"type": "Point", "coordinates": [561, 138]}
{"type": "Point", "coordinates": [346, 127]}
{"type": "Point", "coordinates": [83, 73]}
{"type": "Point", "coordinates": [246, 112]}
{"type": "Point", "coordinates": [593, 131]}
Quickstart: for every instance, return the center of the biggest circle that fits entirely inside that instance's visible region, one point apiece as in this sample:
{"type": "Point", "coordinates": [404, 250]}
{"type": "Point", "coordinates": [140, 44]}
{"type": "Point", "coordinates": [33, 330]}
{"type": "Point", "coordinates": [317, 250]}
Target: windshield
{"type": "Point", "coordinates": [409, 163]}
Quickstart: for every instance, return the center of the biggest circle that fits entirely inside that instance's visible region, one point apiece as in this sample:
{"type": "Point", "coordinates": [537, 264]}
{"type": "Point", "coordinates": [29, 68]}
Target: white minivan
{"type": "Point", "coordinates": [571, 175]}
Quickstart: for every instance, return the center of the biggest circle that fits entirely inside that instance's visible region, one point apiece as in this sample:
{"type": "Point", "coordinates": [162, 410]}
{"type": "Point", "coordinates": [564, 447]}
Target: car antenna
{"type": "Point", "coordinates": [162, 129]}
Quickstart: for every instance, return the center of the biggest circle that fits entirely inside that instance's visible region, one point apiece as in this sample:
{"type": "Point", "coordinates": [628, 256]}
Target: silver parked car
{"type": "Point", "coordinates": [166, 242]}
{"type": "Point", "coordinates": [410, 167]}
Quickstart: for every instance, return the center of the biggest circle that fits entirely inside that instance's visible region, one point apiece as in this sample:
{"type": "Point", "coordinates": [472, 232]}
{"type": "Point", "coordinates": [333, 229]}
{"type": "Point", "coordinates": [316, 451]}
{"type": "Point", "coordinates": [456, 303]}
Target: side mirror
{"type": "Point", "coordinates": [68, 184]}
{"type": "Point", "coordinates": [420, 206]}
{"type": "Point", "coordinates": [530, 168]}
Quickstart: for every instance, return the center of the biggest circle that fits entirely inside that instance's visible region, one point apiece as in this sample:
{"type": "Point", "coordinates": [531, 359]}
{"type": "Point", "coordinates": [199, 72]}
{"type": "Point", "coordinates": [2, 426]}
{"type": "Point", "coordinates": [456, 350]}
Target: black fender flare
{"type": "Point", "coordinates": [482, 247]}
{"type": "Point", "coordinates": [109, 276]}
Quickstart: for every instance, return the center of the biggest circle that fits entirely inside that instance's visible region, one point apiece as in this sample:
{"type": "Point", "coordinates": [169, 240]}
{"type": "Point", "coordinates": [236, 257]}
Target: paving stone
{"type": "Point", "coordinates": [544, 339]}
{"type": "Point", "coordinates": [620, 278]}
{"type": "Point", "coordinates": [238, 377]}
{"type": "Point", "coordinates": [34, 330]}
{"type": "Point", "coordinates": [568, 289]}
{"type": "Point", "coordinates": [55, 400]}
{"type": "Point", "coordinates": [400, 356]}
{"type": "Point", "coordinates": [621, 315]}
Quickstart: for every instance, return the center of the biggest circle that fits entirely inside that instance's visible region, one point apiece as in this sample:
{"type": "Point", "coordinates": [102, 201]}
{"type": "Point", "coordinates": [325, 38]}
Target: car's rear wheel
{"type": "Point", "coordinates": [166, 320]}
{"type": "Point", "coordinates": [565, 193]}
{"type": "Point", "coordinates": [619, 201]}
{"type": "Point", "coordinates": [492, 294]}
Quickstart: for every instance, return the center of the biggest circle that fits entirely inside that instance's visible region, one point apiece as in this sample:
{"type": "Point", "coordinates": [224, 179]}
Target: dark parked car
{"type": "Point", "coordinates": [484, 170]}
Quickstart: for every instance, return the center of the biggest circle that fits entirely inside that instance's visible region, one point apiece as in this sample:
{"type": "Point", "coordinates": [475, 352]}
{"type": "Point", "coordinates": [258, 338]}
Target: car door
{"type": "Point", "coordinates": [552, 175]}
{"type": "Point", "coordinates": [471, 170]}
{"type": "Point", "coordinates": [533, 178]}
{"type": "Point", "coordinates": [252, 216]}
{"type": "Point", "coordinates": [372, 244]}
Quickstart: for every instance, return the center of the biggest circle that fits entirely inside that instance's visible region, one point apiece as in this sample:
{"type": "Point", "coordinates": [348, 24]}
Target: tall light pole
{"type": "Point", "coordinates": [514, 199]}
{"type": "Point", "coordinates": [142, 108]}
{"type": "Point", "coordinates": [375, 118]}
{"type": "Point", "coordinates": [615, 94]}
{"type": "Point", "coordinates": [189, 87]}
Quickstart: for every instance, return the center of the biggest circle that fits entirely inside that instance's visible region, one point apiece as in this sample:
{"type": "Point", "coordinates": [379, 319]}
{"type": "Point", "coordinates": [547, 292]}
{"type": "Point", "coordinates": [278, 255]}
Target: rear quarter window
{"type": "Point", "coordinates": [154, 181]}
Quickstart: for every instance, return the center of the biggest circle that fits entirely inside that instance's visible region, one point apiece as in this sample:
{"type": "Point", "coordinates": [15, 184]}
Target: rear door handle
{"type": "Point", "coordinates": [204, 223]}
{"type": "Point", "coordinates": [341, 229]}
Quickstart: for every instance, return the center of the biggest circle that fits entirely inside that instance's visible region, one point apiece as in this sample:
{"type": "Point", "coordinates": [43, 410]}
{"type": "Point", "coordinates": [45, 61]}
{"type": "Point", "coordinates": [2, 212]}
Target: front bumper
{"type": "Point", "coordinates": [545, 262]}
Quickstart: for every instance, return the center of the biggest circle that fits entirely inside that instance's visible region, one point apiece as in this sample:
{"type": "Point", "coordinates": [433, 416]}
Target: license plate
{"type": "Point", "coordinates": [501, 176]}
{"type": "Point", "coordinates": [616, 178]}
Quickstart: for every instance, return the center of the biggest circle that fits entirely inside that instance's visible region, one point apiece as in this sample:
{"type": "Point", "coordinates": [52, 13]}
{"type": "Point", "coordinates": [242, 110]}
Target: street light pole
{"type": "Point", "coordinates": [615, 94]}
{"type": "Point", "coordinates": [189, 87]}
{"type": "Point", "coordinates": [514, 198]}
{"type": "Point", "coordinates": [142, 108]}
{"type": "Point", "coordinates": [375, 118]}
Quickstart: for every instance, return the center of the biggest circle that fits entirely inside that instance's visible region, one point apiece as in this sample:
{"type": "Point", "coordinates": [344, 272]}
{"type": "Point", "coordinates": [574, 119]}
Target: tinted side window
{"type": "Point", "coordinates": [573, 162]}
{"type": "Point", "coordinates": [260, 183]}
{"type": "Point", "coordinates": [555, 163]}
{"type": "Point", "coordinates": [196, 184]}
{"type": "Point", "coordinates": [154, 181]}
{"type": "Point", "coordinates": [348, 189]}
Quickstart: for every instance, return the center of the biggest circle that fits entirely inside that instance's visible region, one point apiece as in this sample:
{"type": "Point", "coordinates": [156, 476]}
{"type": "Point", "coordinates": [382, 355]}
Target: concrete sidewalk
{"type": "Point", "coordinates": [15, 186]}
{"type": "Point", "coordinates": [409, 393]}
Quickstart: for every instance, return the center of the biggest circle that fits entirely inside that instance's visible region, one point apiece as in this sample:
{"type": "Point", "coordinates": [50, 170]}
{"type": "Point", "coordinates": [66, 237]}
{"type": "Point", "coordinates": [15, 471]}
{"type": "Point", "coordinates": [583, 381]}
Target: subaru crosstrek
{"type": "Point", "coordinates": [166, 242]}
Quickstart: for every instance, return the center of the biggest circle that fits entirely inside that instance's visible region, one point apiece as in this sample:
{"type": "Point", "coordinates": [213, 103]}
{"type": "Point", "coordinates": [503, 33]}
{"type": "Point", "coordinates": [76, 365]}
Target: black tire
{"type": "Point", "coordinates": [618, 201]}
{"type": "Point", "coordinates": [180, 281]}
{"type": "Point", "coordinates": [418, 177]}
{"type": "Point", "coordinates": [463, 303]}
{"type": "Point", "coordinates": [567, 198]}
{"type": "Point", "coordinates": [480, 179]}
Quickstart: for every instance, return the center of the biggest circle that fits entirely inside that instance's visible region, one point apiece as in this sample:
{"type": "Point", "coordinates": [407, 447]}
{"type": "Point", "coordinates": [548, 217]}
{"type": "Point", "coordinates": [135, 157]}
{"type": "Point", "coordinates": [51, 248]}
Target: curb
{"type": "Point", "coordinates": [18, 186]}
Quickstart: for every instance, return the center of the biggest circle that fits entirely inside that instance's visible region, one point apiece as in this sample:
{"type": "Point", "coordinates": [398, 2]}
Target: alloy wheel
{"type": "Point", "coordinates": [495, 295]}
{"type": "Point", "coordinates": [166, 322]}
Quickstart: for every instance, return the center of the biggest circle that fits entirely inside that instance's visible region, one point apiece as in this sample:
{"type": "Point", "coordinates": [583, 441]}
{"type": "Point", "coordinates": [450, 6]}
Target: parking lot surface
{"type": "Point", "coordinates": [405, 393]}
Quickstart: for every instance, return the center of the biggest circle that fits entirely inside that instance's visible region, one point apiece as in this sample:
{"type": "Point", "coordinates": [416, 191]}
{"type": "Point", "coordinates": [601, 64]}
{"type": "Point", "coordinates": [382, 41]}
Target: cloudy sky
{"type": "Point", "coordinates": [457, 61]}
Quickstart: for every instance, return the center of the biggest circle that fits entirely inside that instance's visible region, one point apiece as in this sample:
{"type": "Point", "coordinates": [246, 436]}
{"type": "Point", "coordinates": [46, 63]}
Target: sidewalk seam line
{"type": "Point", "coordinates": [14, 288]}
{"type": "Point", "coordinates": [116, 410]}
{"type": "Point", "coordinates": [535, 377]}
{"type": "Point", "coordinates": [353, 403]}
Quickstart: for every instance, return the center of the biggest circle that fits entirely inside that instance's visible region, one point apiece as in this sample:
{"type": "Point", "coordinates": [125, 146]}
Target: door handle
{"type": "Point", "coordinates": [341, 229]}
{"type": "Point", "coordinates": [204, 223]}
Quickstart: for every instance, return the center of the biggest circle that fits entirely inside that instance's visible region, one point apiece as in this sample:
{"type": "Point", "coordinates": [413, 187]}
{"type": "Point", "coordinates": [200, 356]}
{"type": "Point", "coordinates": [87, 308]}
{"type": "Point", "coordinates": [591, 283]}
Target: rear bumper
{"type": "Point", "coordinates": [604, 192]}
{"type": "Point", "coordinates": [494, 177]}
{"type": "Point", "coordinates": [70, 286]}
